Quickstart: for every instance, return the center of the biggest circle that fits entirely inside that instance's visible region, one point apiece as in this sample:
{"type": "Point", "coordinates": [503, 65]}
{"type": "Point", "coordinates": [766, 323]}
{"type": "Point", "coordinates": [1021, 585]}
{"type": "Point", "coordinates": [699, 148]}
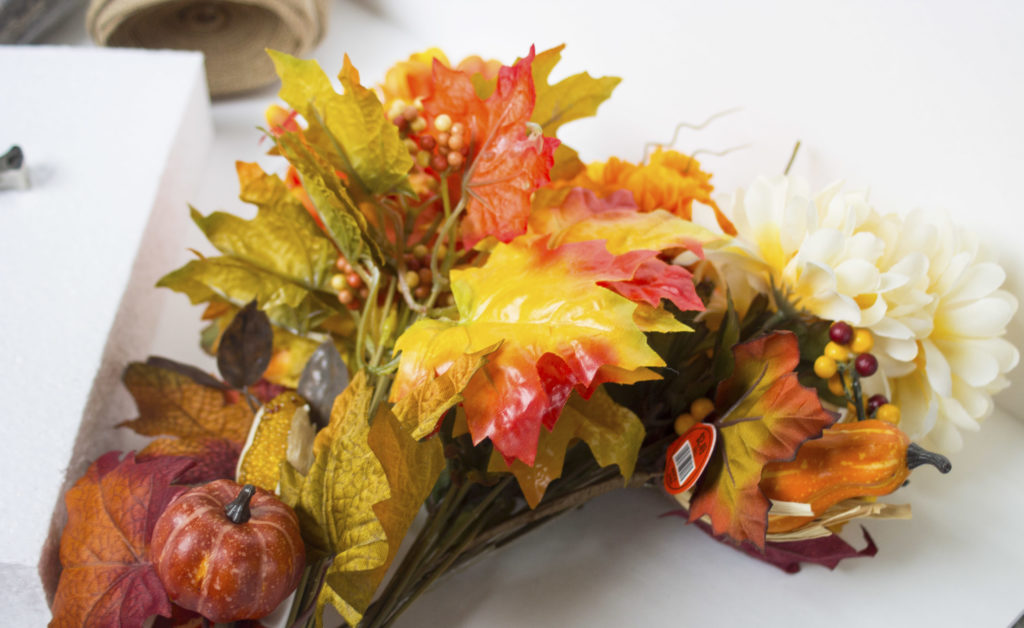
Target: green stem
{"type": "Point", "coordinates": [382, 341]}
{"type": "Point", "coordinates": [373, 283]}
{"type": "Point", "coordinates": [858, 396]}
{"type": "Point", "coordinates": [429, 578]}
{"type": "Point", "coordinates": [792, 158]}
{"type": "Point", "coordinates": [410, 563]}
{"type": "Point", "coordinates": [447, 231]}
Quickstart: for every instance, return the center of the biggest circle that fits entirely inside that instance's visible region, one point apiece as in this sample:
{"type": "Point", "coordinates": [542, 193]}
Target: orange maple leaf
{"type": "Point", "coordinates": [172, 404]}
{"type": "Point", "coordinates": [765, 415]}
{"type": "Point", "coordinates": [205, 424]}
{"type": "Point", "coordinates": [507, 162]}
{"type": "Point", "coordinates": [107, 578]}
{"type": "Point", "coordinates": [670, 181]}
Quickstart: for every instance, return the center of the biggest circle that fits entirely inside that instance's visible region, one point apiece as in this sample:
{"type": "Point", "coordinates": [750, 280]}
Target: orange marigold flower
{"type": "Point", "coordinates": [671, 181]}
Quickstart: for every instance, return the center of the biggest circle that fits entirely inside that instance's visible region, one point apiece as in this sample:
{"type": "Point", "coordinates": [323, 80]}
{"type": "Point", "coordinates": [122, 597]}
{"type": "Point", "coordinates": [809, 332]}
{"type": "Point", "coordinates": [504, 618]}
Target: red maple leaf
{"type": "Point", "coordinates": [107, 579]}
{"type": "Point", "coordinates": [507, 161]}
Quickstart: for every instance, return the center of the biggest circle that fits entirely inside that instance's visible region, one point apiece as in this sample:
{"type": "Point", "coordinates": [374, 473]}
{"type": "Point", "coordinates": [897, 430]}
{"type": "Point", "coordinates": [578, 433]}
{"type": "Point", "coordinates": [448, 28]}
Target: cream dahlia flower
{"type": "Point", "coordinates": [946, 357]}
{"type": "Point", "coordinates": [936, 310]}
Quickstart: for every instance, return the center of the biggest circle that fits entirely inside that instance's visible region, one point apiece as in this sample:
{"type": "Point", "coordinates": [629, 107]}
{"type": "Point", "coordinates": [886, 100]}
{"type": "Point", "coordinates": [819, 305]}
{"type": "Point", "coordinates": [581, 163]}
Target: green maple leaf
{"type": "Point", "coordinates": [366, 141]}
{"type": "Point", "coordinates": [572, 98]}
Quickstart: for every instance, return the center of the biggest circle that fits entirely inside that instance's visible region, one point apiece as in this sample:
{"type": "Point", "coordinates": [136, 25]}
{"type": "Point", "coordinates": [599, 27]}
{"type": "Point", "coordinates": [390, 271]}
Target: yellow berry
{"type": "Point", "coordinates": [420, 250]}
{"type": "Point", "coordinates": [825, 367]}
{"type": "Point", "coordinates": [396, 109]}
{"type": "Point", "coordinates": [837, 352]}
{"type": "Point", "coordinates": [835, 385]}
{"type": "Point", "coordinates": [862, 342]}
{"type": "Point", "coordinates": [418, 125]}
{"type": "Point", "coordinates": [701, 408]}
{"type": "Point", "coordinates": [410, 145]}
{"type": "Point", "coordinates": [443, 122]}
{"type": "Point", "coordinates": [684, 422]}
{"type": "Point", "coordinates": [412, 278]}
{"type": "Point", "coordinates": [338, 282]}
{"type": "Point", "coordinates": [423, 159]}
{"type": "Point", "coordinates": [888, 413]}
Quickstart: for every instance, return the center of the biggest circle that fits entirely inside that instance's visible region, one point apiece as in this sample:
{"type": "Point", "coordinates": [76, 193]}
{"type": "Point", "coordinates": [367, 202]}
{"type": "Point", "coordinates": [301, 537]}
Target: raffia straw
{"type": "Point", "coordinates": [826, 523]}
{"type": "Point", "coordinates": [233, 35]}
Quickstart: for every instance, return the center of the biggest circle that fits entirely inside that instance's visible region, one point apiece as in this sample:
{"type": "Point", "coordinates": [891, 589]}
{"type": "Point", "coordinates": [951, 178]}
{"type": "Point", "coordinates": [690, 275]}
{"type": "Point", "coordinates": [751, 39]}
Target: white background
{"type": "Point", "coordinates": [921, 102]}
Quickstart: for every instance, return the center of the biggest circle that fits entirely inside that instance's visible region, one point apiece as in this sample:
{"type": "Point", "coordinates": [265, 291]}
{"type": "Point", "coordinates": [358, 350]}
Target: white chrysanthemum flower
{"type": "Point", "coordinates": [935, 310]}
{"type": "Point", "coordinates": [816, 248]}
{"type": "Point", "coordinates": [944, 374]}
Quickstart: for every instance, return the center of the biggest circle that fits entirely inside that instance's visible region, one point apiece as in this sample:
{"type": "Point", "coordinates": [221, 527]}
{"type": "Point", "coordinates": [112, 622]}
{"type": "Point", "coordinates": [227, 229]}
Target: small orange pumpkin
{"type": "Point", "coordinates": [228, 552]}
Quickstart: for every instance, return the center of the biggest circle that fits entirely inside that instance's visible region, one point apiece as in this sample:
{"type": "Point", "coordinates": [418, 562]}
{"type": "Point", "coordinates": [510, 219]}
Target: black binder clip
{"type": "Point", "coordinates": [13, 171]}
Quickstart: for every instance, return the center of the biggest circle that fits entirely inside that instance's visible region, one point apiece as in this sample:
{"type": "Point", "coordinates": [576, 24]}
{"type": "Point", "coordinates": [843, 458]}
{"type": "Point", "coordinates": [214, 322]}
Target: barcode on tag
{"type": "Point", "coordinates": [683, 459]}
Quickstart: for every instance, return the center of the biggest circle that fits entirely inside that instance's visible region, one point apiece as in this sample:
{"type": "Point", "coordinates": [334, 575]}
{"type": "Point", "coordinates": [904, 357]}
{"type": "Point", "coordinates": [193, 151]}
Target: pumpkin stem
{"type": "Point", "coordinates": [238, 510]}
{"type": "Point", "coordinates": [917, 456]}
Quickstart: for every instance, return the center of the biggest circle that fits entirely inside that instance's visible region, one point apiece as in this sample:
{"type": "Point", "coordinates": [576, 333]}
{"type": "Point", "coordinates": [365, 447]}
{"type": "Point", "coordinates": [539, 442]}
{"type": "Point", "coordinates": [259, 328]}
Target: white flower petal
{"type": "Point", "coordinates": [898, 349]}
{"type": "Point", "coordinates": [816, 279]}
{"type": "Point", "coordinates": [984, 318]}
{"type": "Point", "coordinates": [977, 282]}
{"type": "Point", "coordinates": [951, 274]}
{"type": "Point", "coordinates": [855, 276]}
{"type": "Point", "coordinates": [872, 315]}
{"type": "Point", "coordinates": [821, 247]}
{"type": "Point", "coordinates": [918, 409]}
{"type": "Point", "coordinates": [834, 308]}
{"type": "Point", "coordinates": [891, 281]}
{"type": "Point", "coordinates": [827, 197]}
{"type": "Point", "coordinates": [951, 409]}
{"type": "Point", "coordinates": [865, 246]}
{"type": "Point", "coordinates": [797, 219]}
{"type": "Point", "coordinates": [975, 401]}
{"type": "Point", "coordinates": [970, 360]}
{"type": "Point", "coordinates": [913, 265]}
{"type": "Point", "coordinates": [892, 328]}
{"type": "Point", "coordinates": [937, 369]}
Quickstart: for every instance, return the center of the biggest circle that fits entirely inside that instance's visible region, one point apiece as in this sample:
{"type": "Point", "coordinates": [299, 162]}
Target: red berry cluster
{"type": "Point", "coordinates": [349, 285]}
{"type": "Point", "coordinates": [418, 275]}
{"type": "Point", "coordinates": [836, 360]}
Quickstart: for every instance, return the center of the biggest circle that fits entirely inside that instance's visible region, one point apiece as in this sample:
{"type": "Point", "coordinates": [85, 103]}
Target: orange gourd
{"type": "Point", "coordinates": [859, 459]}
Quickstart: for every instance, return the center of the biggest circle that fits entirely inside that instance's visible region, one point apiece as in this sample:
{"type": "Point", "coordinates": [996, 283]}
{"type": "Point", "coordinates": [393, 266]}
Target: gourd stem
{"type": "Point", "coordinates": [917, 456]}
{"type": "Point", "coordinates": [238, 510]}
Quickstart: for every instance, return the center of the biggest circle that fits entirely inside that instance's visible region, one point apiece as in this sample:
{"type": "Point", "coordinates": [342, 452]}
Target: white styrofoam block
{"type": "Point", "coordinates": [115, 141]}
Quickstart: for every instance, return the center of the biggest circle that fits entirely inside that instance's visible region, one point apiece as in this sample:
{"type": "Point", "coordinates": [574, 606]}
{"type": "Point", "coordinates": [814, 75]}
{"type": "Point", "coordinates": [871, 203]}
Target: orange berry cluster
{"type": "Point", "coordinates": [446, 148]}
{"type": "Point", "coordinates": [849, 350]}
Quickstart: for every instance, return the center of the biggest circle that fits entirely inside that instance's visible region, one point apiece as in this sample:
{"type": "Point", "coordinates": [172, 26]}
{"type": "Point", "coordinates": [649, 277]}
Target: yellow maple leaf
{"type": "Point", "coordinates": [560, 329]}
{"type": "Point", "coordinates": [613, 433]}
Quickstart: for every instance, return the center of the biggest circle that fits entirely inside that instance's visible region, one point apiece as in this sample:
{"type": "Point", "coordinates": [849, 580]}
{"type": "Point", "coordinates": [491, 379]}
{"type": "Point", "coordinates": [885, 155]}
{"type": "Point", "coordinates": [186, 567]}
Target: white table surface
{"type": "Point", "coordinates": [920, 102]}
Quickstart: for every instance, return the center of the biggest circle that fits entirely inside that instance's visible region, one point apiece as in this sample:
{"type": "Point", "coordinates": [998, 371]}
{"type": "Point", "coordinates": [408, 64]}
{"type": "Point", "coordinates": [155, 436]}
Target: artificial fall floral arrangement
{"type": "Point", "coordinates": [438, 307]}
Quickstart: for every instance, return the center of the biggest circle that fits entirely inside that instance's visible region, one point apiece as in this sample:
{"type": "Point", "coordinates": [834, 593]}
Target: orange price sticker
{"type": "Point", "coordinates": [688, 456]}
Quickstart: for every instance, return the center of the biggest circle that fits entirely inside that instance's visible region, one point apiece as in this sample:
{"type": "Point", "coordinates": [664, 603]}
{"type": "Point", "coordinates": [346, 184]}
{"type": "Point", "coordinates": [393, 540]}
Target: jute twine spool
{"type": "Point", "coordinates": [232, 34]}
